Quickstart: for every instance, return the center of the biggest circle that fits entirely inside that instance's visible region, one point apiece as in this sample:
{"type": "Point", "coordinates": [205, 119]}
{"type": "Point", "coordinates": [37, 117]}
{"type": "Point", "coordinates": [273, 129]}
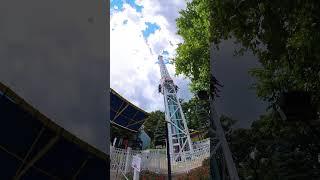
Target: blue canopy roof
{"type": "Point", "coordinates": [124, 114]}
{"type": "Point", "coordinates": [33, 147]}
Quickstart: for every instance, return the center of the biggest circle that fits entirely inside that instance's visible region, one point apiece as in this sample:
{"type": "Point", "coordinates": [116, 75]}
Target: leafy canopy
{"type": "Point", "coordinates": [193, 54]}
{"type": "Point", "coordinates": [197, 114]}
{"type": "Point", "coordinates": [155, 127]}
{"type": "Point", "coordinates": [284, 35]}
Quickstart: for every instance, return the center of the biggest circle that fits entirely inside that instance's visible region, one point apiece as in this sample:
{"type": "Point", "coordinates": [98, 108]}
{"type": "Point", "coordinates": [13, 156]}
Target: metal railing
{"type": "Point", "coordinates": [155, 160]}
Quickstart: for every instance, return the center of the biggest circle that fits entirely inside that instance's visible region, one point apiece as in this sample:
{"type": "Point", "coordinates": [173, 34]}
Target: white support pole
{"type": "Point", "coordinates": [114, 141]}
{"type": "Point", "coordinates": [136, 175]}
{"type": "Point", "coordinates": [127, 165]}
{"type": "Point", "coordinates": [136, 164]}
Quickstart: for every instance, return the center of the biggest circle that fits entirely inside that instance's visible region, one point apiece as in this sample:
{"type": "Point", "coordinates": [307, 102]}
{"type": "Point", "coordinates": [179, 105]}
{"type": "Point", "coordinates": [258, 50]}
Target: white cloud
{"type": "Point", "coordinates": [134, 72]}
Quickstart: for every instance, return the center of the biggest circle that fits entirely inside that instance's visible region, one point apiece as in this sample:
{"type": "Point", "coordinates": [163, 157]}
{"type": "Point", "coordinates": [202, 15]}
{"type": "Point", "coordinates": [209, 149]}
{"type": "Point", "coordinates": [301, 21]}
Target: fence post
{"type": "Point", "coordinates": [158, 157]}
{"type": "Point", "coordinates": [111, 150]}
{"type": "Point", "coordinates": [127, 165]}
{"type": "Point", "coordinates": [144, 160]}
{"type": "Point", "coordinates": [112, 158]}
{"type": "Point", "coordinates": [135, 175]}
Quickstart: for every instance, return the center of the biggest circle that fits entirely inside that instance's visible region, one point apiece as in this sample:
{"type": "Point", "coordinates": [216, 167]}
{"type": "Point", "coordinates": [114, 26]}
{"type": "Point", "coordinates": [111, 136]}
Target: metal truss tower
{"type": "Point", "coordinates": [180, 145]}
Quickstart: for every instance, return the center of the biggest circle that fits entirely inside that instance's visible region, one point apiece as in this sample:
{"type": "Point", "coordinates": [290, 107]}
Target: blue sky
{"type": "Point", "coordinates": [140, 31]}
{"type": "Point", "coordinates": [118, 5]}
{"type": "Point", "coordinates": [151, 28]}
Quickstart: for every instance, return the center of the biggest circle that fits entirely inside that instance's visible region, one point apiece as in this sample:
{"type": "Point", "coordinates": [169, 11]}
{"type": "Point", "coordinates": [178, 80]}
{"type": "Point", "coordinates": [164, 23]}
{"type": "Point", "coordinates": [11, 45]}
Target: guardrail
{"type": "Point", "coordinates": [155, 160]}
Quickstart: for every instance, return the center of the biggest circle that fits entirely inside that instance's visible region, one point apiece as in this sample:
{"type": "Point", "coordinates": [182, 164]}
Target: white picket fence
{"type": "Point", "coordinates": [155, 160]}
{"type": "Point", "coordinates": [201, 144]}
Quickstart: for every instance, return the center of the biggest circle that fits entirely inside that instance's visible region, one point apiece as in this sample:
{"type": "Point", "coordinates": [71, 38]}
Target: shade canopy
{"type": "Point", "coordinates": [34, 147]}
{"type": "Point", "coordinates": [124, 114]}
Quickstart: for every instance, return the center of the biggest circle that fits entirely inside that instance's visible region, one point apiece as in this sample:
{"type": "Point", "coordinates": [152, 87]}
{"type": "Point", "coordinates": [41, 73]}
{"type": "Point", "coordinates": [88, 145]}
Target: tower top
{"type": "Point", "coordinates": [160, 58]}
{"type": "Point", "coordinates": [165, 76]}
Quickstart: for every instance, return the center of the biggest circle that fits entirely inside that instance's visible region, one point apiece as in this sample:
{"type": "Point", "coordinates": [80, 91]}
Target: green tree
{"type": "Point", "coordinates": [280, 149]}
{"type": "Point", "coordinates": [193, 54]}
{"type": "Point", "coordinates": [155, 127]}
{"type": "Point", "coordinates": [196, 113]}
{"type": "Point", "coordinates": [283, 35]}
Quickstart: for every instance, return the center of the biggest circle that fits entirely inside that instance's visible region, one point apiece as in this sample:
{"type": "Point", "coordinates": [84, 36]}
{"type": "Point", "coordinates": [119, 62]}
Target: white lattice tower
{"type": "Point", "coordinates": [180, 144]}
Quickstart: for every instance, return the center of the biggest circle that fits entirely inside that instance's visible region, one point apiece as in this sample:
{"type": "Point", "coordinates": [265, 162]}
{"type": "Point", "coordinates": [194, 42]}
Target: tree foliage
{"type": "Point", "coordinates": [282, 151]}
{"type": "Point", "coordinates": [155, 127]}
{"type": "Point", "coordinates": [193, 54]}
{"type": "Point", "coordinates": [284, 35]}
{"type": "Point", "coordinates": [196, 113]}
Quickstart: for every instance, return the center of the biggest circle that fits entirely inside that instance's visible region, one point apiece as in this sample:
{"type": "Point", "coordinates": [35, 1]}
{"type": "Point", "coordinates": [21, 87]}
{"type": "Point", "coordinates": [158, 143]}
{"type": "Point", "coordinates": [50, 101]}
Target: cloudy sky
{"type": "Point", "coordinates": [140, 30]}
